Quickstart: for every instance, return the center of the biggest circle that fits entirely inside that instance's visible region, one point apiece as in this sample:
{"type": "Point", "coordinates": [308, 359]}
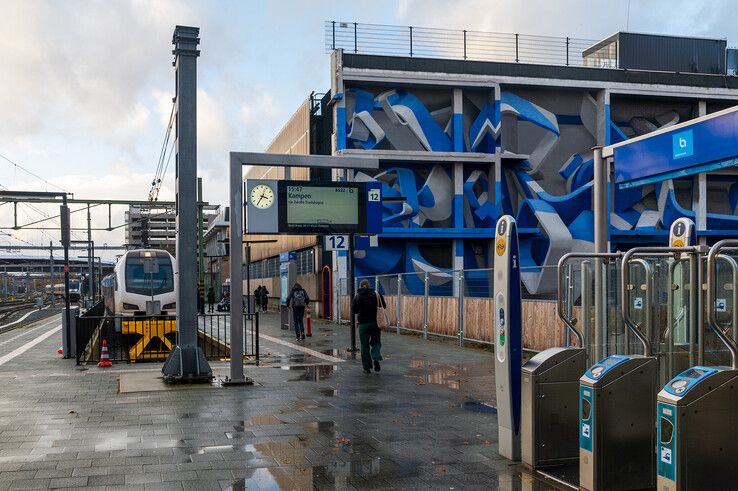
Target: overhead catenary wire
{"type": "Point", "coordinates": [163, 162]}
{"type": "Point", "coordinates": [30, 173]}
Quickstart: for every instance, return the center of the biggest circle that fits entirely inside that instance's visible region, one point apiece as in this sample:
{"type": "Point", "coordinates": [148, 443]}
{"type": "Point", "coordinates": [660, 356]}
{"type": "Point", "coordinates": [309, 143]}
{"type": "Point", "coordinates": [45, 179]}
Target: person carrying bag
{"type": "Point", "coordinates": [368, 305]}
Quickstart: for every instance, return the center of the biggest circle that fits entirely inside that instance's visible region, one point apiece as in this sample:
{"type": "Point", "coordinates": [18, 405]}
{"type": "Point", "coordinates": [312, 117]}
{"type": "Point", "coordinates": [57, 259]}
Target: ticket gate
{"type": "Point", "coordinates": [617, 432]}
{"type": "Point", "coordinates": [550, 381]}
{"type": "Point", "coordinates": [697, 427]}
{"type": "Point", "coordinates": [616, 439]}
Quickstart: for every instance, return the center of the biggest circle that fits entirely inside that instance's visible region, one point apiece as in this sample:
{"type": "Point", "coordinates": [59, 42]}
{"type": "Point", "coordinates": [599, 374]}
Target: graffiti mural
{"type": "Point", "coordinates": [545, 183]}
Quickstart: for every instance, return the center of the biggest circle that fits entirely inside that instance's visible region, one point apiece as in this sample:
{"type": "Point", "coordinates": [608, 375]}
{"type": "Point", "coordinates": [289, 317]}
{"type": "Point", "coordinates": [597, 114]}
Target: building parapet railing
{"type": "Point", "coordinates": [423, 42]}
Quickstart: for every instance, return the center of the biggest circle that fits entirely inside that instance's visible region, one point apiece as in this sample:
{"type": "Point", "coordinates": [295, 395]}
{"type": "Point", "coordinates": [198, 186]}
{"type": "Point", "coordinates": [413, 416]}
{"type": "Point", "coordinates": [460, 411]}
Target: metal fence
{"type": "Point", "coordinates": [423, 42]}
{"type": "Point", "coordinates": [454, 304]}
{"type": "Point", "coordinates": [140, 339]}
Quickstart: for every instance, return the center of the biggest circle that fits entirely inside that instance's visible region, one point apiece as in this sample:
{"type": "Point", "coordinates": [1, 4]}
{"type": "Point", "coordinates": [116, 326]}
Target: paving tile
{"type": "Point", "coordinates": [29, 484]}
{"type": "Point", "coordinates": [143, 478]}
{"type": "Point", "coordinates": [107, 480]}
{"type": "Point", "coordinates": [164, 486]}
{"type": "Point", "coordinates": [53, 473]}
{"type": "Point", "coordinates": [68, 482]}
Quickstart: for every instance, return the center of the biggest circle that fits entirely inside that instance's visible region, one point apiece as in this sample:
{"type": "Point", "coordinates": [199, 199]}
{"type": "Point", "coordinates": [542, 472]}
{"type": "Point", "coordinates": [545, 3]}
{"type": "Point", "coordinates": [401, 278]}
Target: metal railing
{"type": "Point", "coordinates": [139, 339]}
{"type": "Point", "coordinates": [451, 304]}
{"type": "Point", "coordinates": [423, 42]}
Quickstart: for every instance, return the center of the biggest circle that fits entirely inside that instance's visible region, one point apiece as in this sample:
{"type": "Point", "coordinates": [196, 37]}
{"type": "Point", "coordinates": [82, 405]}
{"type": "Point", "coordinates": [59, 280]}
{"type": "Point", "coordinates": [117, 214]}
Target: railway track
{"type": "Point", "coordinates": [8, 308]}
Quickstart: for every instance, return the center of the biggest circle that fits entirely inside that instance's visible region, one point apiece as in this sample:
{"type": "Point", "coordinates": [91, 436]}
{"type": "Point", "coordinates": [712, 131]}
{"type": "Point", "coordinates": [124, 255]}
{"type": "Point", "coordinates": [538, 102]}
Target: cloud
{"type": "Point", "coordinates": [91, 76]}
{"type": "Point", "coordinates": [593, 19]}
{"type": "Point", "coordinates": [263, 116]}
{"type": "Point", "coordinates": [214, 132]}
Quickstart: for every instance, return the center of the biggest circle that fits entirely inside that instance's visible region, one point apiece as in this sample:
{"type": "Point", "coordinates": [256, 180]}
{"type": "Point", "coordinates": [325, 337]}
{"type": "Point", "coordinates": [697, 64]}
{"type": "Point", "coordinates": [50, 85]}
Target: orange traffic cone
{"type": "Point", "coordinates": [104, 357]}
{"type": "Point", "coordinates": [60, 351]}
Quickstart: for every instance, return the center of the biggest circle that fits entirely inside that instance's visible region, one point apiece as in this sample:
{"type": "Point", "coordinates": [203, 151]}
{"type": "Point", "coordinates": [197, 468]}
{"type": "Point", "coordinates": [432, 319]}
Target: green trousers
{"type": "Point", "coordinates": [370, 337]}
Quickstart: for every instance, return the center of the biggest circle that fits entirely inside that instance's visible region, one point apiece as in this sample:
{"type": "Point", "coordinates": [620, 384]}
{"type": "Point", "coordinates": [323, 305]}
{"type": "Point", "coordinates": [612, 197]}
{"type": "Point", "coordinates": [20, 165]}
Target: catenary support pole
{"type": "Point", "coordinates": [90, 257]}
{"type": "Point", "coordinates": [51, 273]}
{"type": "Point", "coordinates": [95, 290]}
{"type": "Point", "coordinates": [66, 237]}
{"type": "Point", "coordinates": [599, 200]}
{"type": "Point", "coordinates": [187, 361]}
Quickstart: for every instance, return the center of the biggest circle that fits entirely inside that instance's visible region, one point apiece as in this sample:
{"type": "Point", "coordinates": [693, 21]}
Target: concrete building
{"type": "Point", "coordinates": [155, 226]}
{"type": "Point", "coordinates": [152, 226]}
{"type": "Point", "coordinates": [467, 136]}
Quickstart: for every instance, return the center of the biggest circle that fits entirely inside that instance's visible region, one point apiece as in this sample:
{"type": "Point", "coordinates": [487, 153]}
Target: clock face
{"type": "Point", "coordinates": [262, 196]}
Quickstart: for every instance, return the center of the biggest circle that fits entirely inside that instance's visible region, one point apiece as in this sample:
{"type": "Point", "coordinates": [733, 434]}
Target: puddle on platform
{"type": "Point", "coordinates": [314, 373]}
{"type": "Point", "coordinates": [328, 392]}
{"type": "Point", "coordinates": [478, 407]}
{"type": "Point", "coordinates": [337, 475]}
{"type": "Point", "coordinates": [475, 381]}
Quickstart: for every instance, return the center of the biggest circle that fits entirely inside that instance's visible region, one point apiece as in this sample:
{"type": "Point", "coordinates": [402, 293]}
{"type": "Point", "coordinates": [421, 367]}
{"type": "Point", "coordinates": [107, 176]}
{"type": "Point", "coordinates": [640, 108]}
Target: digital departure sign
{"type": "Point", "coordinates": [304, 207]}
{"type": "Point", "coordinates": [336, 208]}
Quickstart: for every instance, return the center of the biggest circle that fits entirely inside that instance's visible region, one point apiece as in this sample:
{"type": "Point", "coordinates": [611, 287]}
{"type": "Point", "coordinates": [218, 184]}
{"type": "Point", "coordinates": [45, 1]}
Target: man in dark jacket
{"type": "Point", "coordinates": [364, 307]}
{"type": "Point", "coordinates": [264, 300]}
{"type": "Point", "coordinates": [211, 298]}
{"type": "Point", "coordinates": [298, 299]}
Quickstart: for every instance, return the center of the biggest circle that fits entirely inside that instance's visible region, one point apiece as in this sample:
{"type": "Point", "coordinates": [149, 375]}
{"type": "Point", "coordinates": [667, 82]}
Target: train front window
{"type": "Point", "coordinates": [159, 278]}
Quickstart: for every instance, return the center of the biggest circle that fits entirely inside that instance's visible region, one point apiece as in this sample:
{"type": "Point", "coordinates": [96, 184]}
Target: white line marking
{"type": "Point", "coordinates": [28, 345]}
{"type": "Point", "coordinates": [29, 331]}
{"type": "Point", "coordinates": [316, 354]}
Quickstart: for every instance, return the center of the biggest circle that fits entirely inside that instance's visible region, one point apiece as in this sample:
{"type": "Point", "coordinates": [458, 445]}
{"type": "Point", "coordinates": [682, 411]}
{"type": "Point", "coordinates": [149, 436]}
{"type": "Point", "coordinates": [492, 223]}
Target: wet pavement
{"type": "Point", "coordinates": [312, 420]}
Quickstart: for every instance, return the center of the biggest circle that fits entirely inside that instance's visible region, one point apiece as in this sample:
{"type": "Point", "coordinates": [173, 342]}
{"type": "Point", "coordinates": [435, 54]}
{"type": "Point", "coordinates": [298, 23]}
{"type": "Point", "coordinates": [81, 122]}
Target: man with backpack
{"type": "Point", "coordinates": [298, 299]}
{"type": "Point", "coordinates": [264, 299]}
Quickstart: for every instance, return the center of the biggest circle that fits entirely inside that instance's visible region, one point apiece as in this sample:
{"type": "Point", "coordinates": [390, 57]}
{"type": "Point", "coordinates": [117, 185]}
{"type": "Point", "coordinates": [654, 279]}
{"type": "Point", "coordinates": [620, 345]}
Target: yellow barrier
{"type": "Point", "coordinates": [149, 330]}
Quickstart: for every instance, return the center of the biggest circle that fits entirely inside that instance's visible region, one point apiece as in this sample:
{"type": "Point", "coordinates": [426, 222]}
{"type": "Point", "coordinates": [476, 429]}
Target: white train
{"type": "Point", "coordinates": [139, 277]}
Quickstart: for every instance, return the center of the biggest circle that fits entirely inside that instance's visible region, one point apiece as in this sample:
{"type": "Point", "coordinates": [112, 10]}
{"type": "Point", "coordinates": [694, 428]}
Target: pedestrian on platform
{"type": "Point", "coordinates": [211, 299]}
{"type": "Point", "coordinates": [298, 299]}
{"type": "Point", "coordinates": [256, 299]}
{"type": "Point", "coordinates": [264, 298]}
{"type": "Point", "coordinates": [364, 306]}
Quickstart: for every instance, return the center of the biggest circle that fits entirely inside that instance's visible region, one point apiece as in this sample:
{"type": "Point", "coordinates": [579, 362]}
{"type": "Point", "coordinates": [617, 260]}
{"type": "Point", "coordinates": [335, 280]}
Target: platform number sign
{"type": "Point", "coordinates": [373, 195]}
{"type": "Point", "coordinates": [336, 243]}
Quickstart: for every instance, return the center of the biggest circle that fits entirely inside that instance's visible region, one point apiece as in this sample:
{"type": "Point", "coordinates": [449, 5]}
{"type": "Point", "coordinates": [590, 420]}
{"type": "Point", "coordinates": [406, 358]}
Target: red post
{"type": "Point", "coordinates": [309, 332]}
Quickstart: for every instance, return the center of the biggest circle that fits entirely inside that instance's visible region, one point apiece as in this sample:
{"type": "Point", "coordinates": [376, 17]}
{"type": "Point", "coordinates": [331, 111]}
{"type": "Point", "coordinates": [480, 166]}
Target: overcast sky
{"type": "Point", "coordinates": [86, 86]}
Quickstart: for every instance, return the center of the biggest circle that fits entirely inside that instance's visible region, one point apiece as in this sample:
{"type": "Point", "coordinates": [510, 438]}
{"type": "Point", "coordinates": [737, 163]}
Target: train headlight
{"type": "Point", "coordinates": [130, 306]}
{"type": "Point", "coordinates": [170, 306]}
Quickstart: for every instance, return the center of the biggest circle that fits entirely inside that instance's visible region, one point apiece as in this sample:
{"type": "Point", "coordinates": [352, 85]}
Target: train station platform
{"type": "Point", "coordinates": [312, 420]}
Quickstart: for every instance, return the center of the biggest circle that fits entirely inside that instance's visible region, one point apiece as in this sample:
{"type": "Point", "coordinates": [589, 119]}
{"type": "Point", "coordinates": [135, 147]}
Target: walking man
{"type": "Point", "coordinates": [364, 305]}
{"type": "Point", "coordinates": [211, 299]}
{"type": "Point", "coordinates": [298, 299]}
{"type": "Point", "coordinates": [264, 300]}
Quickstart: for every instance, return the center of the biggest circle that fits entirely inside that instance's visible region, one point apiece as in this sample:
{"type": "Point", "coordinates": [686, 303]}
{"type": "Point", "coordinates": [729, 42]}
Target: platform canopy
{"type": "Point", "coordinates": [703, 144]}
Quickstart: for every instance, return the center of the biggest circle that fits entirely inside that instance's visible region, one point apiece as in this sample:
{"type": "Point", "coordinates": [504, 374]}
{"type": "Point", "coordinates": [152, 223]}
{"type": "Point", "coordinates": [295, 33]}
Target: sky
{"type": "Point", "coordinates": [86, 87]}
